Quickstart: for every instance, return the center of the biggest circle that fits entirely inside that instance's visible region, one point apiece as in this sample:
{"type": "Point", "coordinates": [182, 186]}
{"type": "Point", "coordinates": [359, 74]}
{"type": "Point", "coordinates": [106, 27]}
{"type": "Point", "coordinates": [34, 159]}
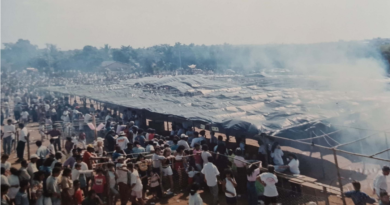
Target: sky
{"type": "Point", "coordinates": [72, 24]}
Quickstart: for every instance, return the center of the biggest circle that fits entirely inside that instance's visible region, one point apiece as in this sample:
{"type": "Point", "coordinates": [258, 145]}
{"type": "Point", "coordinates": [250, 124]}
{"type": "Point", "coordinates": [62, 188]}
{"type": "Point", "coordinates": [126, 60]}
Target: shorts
{"type": "Point", "coordinates": [231, 200]}
{"type": "Point", "coordinates": [270, 200]}
{"type": "Point", "coordinates": [137, 194]}
{"type": "Point", "coordinates": [179, 165]}
{"type": "Point", "coordinates": [167, 171]}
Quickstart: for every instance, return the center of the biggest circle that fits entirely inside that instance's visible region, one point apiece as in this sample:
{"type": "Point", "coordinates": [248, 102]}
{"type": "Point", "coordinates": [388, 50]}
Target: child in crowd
{"type": "Point", "coordinates": [191, 172]}
{"type": "Point", "coordinates": [5, 163]}
{"type": "Point", "coordinates": [136, 185]}
{"type": "Point", "coordinates": [155, 188]}
{"type": "Point", "coordinates": [99, 183]}
{"type": "Point", "coordinates": [229, 186]}
{"type": "Point", "coordinates": [78, 193]}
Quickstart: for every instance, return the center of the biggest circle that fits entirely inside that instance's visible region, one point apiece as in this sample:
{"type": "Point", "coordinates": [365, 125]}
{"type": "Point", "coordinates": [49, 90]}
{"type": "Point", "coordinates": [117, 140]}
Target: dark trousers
{"type": "Point", "coordinates": [57, 143]}
{"type": "Point", "coordinates": [264, 159]}
{"type": "Point", "coordinates": [241, 180]}
{"type": "Point", "coordinates": [20, 149]}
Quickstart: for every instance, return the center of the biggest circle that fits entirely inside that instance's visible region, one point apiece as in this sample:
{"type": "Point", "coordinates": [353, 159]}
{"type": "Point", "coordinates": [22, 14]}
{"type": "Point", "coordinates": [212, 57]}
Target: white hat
{"type": "Point", "coordinates": [183, 136]}
{"type": "Point", "coordinates": [34, 156]}
{"type": "Point", "coordinates": [122, 133]}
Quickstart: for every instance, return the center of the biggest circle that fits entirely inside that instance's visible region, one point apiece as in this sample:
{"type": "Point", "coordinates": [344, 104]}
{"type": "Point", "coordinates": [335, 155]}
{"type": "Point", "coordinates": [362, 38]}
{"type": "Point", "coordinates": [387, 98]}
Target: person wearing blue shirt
{"type": "Point", "coordinates": [118, 152]}
{"type": "Point", "coordinates": [140, 138]}
{"type": "Point", "coordinates": [137, 149]}
{"type": "Point", "coordinates": [358, 197]}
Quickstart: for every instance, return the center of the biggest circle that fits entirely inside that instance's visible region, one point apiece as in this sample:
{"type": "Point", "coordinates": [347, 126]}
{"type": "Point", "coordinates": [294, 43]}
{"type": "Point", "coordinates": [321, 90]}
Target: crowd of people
{"type": "Point", "coordinates": [130, 162]}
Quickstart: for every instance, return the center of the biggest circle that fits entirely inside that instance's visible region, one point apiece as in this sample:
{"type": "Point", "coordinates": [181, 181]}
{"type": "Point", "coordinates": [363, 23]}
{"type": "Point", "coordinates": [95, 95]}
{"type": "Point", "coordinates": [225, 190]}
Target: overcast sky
{"type": "Point", "coordinates": [72, 24]}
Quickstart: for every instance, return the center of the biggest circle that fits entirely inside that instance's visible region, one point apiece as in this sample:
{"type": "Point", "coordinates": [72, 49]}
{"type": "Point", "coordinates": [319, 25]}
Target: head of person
{"type": "Point", "coordinates": [271, 169]}
{"type": "Point", "coordinates": [130, 167]}
{"type": "Point", "coordinates": [91, 194]}
{"type": "Point", "coordinates": [220, 138]}
{"type": "Point", "coordinates": [356, 185]}
{"type": "Point", "coordinates": [100, 143]}
{"type": "Point", "coordinates": [212, 133]}
{"type": "Point", "coordinates": [4, 158]}
{"type": "Point", "coordinates": [197, 146]}
{"type": "Point", "coordinates": [210, 159]}
{"type": "Point", "coordinates": [251, 169]}
{"type": "Point", "coordinates": [24, 164]}
{"type": "Point", "coordinates": [385, 170]}
{"type": "Point", "coordinates": [194, 188]}
{"type": "Point", "coordinates": [384, 197]}
{"type": "Point", "coordinates": [48, 162]}
{"type": "Point", "coordinates": [202, 133]}
{"type": "Point", "coordinates": [82, 135]}
{"type": "Point", "coordinates": [99, 171]}
{"type": "Point", "coordinates": [228, 173]}
{"type": "Point", "coordinates": [90, 148]}
{"type": "Point", "coordinates": [9, 122]}
{"type": "Point", "coordinates": [39, 176]}
{"type": "Point", "coordinates": [140, 157]}
{"type": "Point", "coordinates": [151, 142]}
{"type": "Point", "coordinates": [51, 141]}
{"type": "Point", "coordinates": [76, 184]}
{"type": "Point", "coordinates": [175, 140]}
{"type": "Point", "coordinates": [38, 143]}
{"type": "Point", "coordinates": [292, 156]}
{"type": "Point", "coordinates": [180, 149]}
{"type": "Point", "coordinates": [14, 171]}
{"type": "Point", "coordinates": [58, 155]}
{"type": "Point", "coordinates": [58, 164]}
{"type": "Point", "coordinates": [111, 167]}
{"type": "Point", "coordinates": [140, 131]}
{"type": "Point", "coordinates": [66, 172]}
{"type": "Point", "coordinates": [196, 134]}
{"type": "Point", "coordinates": [221, 149]}
{"type": "Point", "coordinates": [4, 189]}
{"type": "Point", "coordinates": [157, 150]}
{"type": "Point", "coordinates": [205, 147]}
{"type": "Point", "coordinates": [77, 166]}
{"type": "Point", "coordinates": [167, 152]}
{"type": "Point", "coordinates": [136, 144]}
{"type": "Point", "coordinates": [74, 152]}
{"type": "Point", "coordinates": [79, 159]}
{"type": "Point", "coordinates": [69, 139]}
{"type": "Point", "coordinates": [21, 125]}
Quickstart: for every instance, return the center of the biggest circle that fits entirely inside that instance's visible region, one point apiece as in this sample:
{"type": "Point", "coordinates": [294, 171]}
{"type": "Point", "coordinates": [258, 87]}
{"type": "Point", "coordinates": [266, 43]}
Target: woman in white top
{"type": "Point", "coordinates": [194, 196]}
{"type": "Point", "coordinates": [229, 186]}
{"type": "Point", "coordinates": [277, 154]}
{"type": "Point", "coordinates": [180, 161]}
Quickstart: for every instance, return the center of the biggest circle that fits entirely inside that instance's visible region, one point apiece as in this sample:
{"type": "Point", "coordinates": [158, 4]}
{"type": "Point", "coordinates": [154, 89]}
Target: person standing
{"type": "Point", "coordinates": [52, 186]}
{"type": "Point", "coordinates": [211, 175]}
{"type": "Point", "coordinates": [21, 197]}
{"type": "Point", "coordinates": [380, 184]}
{"type": "Point", "coordinates": [195, 198]}
{"type": "Point", "coordinates": [252, 172]}
{"type": "Point", "coordinates": [269, 181]}
{"type": "Point", "coordinates": [9, 130]}
{"type": "Point", "coordinates": [55, 135]}
{"type": "Point", "coordinates": [357, 196]}
{"type": "Point", "coordinates": [229, 186]}
{"type": "Point", "coordinates": [23, 135]}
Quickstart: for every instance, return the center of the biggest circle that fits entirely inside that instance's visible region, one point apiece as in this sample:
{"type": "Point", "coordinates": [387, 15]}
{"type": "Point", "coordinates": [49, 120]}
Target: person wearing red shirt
{"type": "Point", "coordinates": [78, 193]}
{"type": "Point", "coordinates": [89, 156]}
{"type": "Point", "coordinates": [99, 183]}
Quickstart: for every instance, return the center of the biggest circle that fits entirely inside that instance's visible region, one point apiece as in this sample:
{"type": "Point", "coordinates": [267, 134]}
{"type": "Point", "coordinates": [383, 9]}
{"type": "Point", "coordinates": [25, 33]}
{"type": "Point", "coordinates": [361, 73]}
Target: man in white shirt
{"type": "Point", "coordinates": [122, 140]}
{"type": "Point", "coordinates": [9, 130]}
{"type": "Point", "coordinates": [269, 179]}
{"type": "Point", "coordinates": [32, 166]}
{"type": "Point", "coordinates": [380, 184]}
{"type": "Point", "coordinates": [183, 142]}
{"type": "Point", "coordinates": [23, 135]}
{"type": "Point", "coordinates": [52, 186]}
{"type": "Point", "coordinates": [211, 175]}
{"type": "Point", "coordinates": [156, 160]}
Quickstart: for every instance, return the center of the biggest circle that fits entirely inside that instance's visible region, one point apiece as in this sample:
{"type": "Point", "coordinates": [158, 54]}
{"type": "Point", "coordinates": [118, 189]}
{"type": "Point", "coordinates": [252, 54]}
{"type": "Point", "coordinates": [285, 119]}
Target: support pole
{"type": "Point", "coordinates": [28, 146]}
{"type": "Point", "coordinates": [387, 145]}
{"type": "Point", "coordinates": [339, 177]}
{"type": "Point", "coordinates": [94, 124]}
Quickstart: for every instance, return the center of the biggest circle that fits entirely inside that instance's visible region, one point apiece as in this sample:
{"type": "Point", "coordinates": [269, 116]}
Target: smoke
{"type": "Point", "coordinates": [342, 84]}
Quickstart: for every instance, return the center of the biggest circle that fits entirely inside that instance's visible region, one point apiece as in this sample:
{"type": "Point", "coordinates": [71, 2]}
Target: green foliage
{"type": "Point", "coordinates": [23, 54]}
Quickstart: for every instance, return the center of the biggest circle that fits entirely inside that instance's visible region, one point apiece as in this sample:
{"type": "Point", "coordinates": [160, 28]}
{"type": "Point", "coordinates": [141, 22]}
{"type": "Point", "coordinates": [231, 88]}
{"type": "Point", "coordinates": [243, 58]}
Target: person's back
{"type": "Point", "coordinates": [358, 197]}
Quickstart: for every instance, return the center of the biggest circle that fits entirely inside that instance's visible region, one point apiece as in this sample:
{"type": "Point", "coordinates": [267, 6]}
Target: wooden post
{"type": "Point", "coordinates": [94, 124]}
{"type": "Point", "coordinates": [326, 195]}
{"type": "Point", "coordinates": [339, 176]}
{"type": "Point", "coordinates": [387, 146]}
{"type": "Point", "coordinates": [28, 145]}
